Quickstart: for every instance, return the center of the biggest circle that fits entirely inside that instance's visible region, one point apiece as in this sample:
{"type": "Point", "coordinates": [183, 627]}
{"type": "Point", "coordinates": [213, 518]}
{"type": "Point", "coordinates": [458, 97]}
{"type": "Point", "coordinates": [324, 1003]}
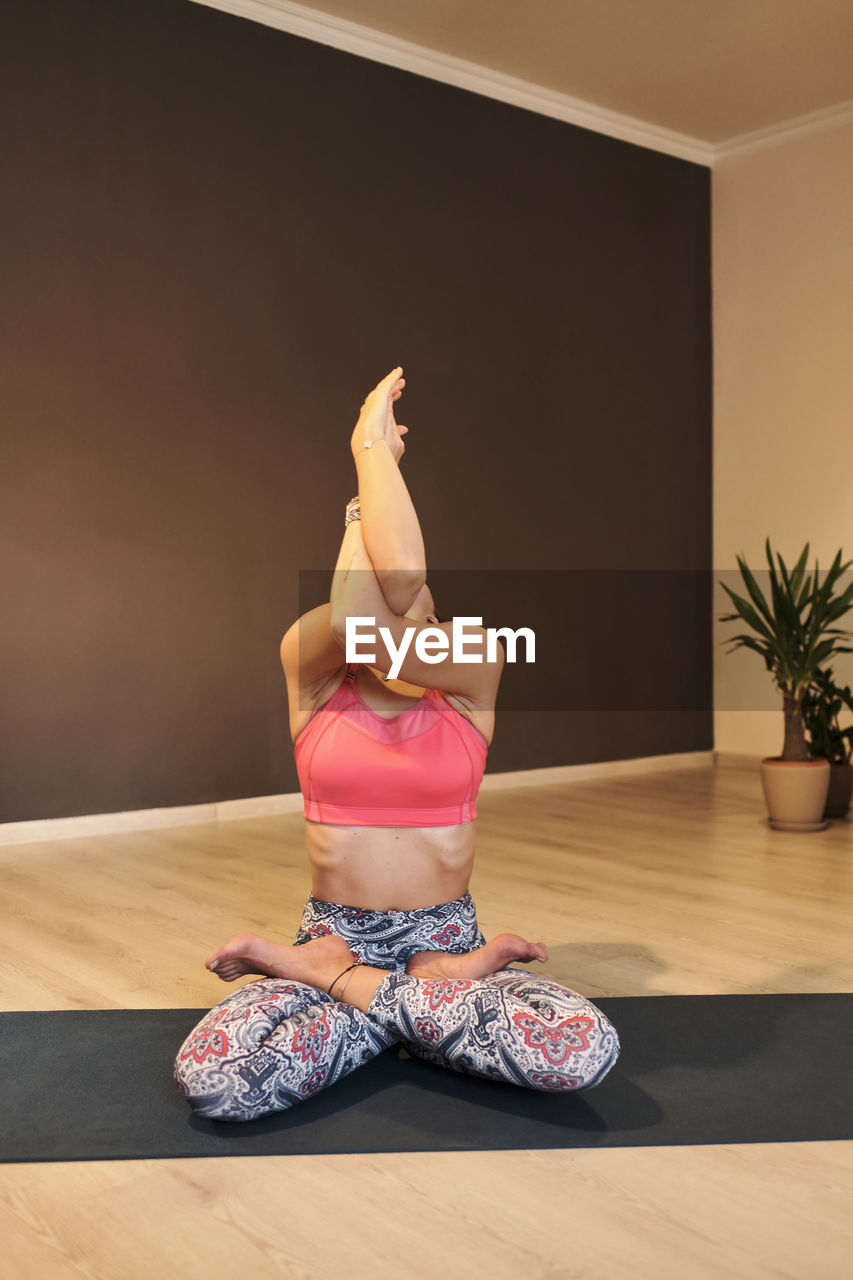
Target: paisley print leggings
{"type": "Point", "coordinates": [274, 1042]}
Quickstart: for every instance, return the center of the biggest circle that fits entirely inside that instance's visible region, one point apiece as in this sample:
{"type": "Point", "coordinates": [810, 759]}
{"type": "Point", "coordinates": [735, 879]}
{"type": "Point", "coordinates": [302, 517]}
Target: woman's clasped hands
{"type": "Point", "coordinates": [376, 420]}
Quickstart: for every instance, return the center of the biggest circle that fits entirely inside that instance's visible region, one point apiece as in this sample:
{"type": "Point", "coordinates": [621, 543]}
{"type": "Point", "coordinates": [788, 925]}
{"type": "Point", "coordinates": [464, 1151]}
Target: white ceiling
{"type": "Point", "coordinates": [707, 70]}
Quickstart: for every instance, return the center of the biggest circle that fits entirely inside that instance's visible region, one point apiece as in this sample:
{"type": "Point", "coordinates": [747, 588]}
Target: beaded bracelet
{"type": "Point", "coordinates": [353, 511]}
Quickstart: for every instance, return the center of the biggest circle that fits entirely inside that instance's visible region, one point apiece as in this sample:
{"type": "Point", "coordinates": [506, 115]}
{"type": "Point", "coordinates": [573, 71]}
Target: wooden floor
{"type": "Point", "coordinates": [670, 883]}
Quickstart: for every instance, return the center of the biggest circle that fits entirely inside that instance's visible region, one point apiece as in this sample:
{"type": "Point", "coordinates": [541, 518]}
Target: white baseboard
{"type": "Point", "coordinates": [737, 760]}
{"type": "Point", "coordinates": [99, 824]}
{"type": "Point", "coordinates": [604, 769]}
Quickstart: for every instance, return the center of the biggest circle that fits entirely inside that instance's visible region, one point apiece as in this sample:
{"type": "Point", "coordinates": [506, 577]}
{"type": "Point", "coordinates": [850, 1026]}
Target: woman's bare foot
{"type": "Point", "coordinates": [316, 962]}
{"type": "Point", "coordinates": [497, 954]}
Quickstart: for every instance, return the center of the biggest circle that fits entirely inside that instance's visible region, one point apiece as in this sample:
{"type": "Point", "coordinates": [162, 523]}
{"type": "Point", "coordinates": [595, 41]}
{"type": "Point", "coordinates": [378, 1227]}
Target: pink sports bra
{"type": "Point", "coordinates": [421, 768]}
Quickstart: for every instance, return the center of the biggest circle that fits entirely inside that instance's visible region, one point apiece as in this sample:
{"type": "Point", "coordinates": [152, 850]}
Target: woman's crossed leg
{"type": "Point", "coordinates": [277, 1041]}
{"type": "Point", "coordinates": [271, 1044]}
{"type": "Point", "coordinates": [511, 1026]}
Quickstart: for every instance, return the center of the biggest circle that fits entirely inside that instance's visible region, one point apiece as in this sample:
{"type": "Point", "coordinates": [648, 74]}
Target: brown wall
{"type": "Point", "coordinates": [217, 237]}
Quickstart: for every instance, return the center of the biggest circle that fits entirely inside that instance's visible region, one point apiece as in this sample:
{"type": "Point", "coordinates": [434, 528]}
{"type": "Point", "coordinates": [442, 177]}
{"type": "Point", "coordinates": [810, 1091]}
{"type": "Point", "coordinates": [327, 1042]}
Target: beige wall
{"type": "Point", "coordinates": [783, 389]}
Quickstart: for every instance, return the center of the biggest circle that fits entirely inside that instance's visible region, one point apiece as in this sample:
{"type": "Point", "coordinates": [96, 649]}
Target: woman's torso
{"type": "Point", "coordinates": [389, 868]}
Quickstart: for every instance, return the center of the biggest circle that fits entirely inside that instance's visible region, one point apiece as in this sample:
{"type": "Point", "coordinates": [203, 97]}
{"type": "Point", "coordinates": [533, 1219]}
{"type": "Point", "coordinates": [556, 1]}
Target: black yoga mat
{"type": "Point", "coordinates": [97, 1085]}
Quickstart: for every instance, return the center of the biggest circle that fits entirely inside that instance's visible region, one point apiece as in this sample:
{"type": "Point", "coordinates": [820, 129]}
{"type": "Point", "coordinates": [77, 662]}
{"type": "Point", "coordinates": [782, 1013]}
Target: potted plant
{"type": "Point", "coordinates": [794, 633]}
{"type": "Point", "coordinates": [823, 703]}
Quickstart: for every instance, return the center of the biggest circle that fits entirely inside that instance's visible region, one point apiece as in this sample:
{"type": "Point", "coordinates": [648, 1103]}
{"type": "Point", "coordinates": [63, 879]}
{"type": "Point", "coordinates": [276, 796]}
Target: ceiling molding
{"type": "Point", "coordinates": [351, 37]}
{"type": "Point", "coordinates": [365, 42]}
{"type": "Point", "coordinates": [776, 135]}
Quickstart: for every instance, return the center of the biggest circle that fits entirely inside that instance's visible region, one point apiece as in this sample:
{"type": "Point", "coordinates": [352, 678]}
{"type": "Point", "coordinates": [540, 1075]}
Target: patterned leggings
{"type": "Point", "coordinates": [274, 1042]}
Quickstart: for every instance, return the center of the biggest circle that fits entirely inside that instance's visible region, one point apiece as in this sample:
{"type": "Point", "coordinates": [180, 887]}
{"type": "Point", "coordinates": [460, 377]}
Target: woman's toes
{"type": "Point", "coordinates": [236, 957]}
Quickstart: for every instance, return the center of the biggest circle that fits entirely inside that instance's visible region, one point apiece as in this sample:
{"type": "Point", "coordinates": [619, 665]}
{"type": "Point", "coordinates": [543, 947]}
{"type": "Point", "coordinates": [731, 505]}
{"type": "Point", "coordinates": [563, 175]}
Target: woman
{"type": "Point", "coordinates": [389, 950]}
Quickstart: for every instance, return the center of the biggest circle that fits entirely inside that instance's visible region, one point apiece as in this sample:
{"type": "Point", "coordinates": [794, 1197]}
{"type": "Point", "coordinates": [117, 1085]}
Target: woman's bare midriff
{"type": "Point", "coordinates": [390, 868]}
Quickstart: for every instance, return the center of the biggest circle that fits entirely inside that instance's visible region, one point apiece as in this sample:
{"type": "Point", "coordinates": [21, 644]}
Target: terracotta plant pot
{"type": "Point", "coordinates": [840, 791]}
{"type": "Point", "coordinates": [795, 792]}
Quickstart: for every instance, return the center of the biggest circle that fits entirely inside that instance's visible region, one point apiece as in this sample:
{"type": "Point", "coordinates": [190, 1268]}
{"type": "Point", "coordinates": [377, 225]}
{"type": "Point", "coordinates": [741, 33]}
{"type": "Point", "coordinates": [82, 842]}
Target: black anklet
{"type": "Point", "coordinates": [340, 975]}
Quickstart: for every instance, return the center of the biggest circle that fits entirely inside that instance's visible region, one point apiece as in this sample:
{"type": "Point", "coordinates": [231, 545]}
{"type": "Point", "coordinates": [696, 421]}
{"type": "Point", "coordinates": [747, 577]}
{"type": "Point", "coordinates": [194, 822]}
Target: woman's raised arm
{"type": "Point", "coordinates": [311, 652]}
{"type": "Point", "coordinates": [389, 523]}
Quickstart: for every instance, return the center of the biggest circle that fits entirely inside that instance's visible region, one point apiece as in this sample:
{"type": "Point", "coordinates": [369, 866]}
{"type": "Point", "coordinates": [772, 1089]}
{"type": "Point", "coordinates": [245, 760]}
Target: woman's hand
{"type": "Point", "coordinates": [376, 420]}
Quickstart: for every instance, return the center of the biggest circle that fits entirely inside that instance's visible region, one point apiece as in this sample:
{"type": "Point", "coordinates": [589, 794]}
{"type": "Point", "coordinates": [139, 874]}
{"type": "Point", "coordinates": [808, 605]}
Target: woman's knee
{"type": "Point", "coordinates": [254, 1060]}
{"type": "Point", "coordinates": [223, 1078]}
{"type": "Point", "coordinates": [562, 1041]}
{"type": "Point", "coordinates": [209, 1105]}
{"type": "Point", "coordinates": [578, 1068]}
{"type": "Point", "coordinates": [240, 1091]}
